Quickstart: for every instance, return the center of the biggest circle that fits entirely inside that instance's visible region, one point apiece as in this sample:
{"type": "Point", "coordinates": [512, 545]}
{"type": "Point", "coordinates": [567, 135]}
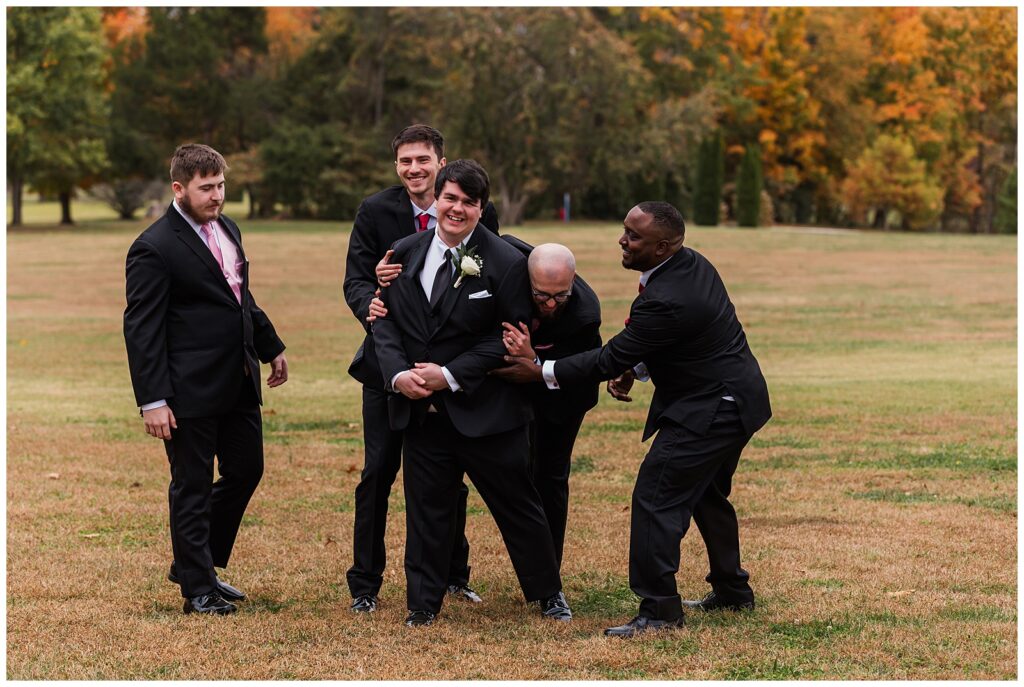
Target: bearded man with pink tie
{"type": "Point", "coordinates": [195, 339]}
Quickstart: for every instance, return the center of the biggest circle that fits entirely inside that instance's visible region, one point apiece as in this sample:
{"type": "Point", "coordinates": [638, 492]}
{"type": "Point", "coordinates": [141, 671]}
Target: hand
{"type": "Point", "coordinates": [620, 386]}
{"type": "Point", "coordinates": [519, 371]}
{"type": "Point", "coordinates": [517, 341]}
{"type": "Point", "coordinates": [411, 385]}
{"type": "Point", "coordinates": [377, 309]}
{"type": "Point", "coordinates": [159, 422]}
{"type": "Point", "coordinates": [278, 371]}
{"type": "Point", "coordinates": [386, 272]}
{"type": "Point", "coordinates": [432, 376]}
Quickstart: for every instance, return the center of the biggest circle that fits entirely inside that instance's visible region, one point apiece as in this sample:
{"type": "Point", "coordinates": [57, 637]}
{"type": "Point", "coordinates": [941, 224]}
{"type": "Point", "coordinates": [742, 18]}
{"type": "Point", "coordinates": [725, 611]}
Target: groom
{"type": "Point", "coordinates": [441, 337]}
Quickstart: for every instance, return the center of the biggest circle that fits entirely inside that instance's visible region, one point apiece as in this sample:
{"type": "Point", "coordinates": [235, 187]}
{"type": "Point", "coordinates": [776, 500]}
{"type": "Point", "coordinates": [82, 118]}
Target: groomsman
{"type": "Point", "coordinates": [383, 219]}
{"type": "Point", "coordinates": [440, 338]}
{"type": "Point", "coordinates": [566, 320]}
{"type": "Point", "coordinates": [709, 399]}
{"type": "Point", "coordinates": [195, 340]}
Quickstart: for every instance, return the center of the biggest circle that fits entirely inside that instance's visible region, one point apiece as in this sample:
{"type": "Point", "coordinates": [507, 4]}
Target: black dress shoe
{"type": "Point", "coordinates": [713, 602]}
{"type": "Point", "coordinates": [641, 624]}
{"type": "Point", "coordinates": [367, 603]}
{"type": "Point", "coordinates": [461, 591]}
{"type": "Point", "coordinates": [210, 604]}
{"type": "Point", "coordinates": [223, 588]}
{"type": "Point", "coordinates": [420, 618]}
{"type": "Point", "coordinates": [556, 608]}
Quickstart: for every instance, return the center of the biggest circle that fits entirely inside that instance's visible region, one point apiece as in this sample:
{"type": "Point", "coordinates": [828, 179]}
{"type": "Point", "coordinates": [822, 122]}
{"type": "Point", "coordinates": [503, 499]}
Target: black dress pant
{"type": "Point", "coordinates": [205, 515]}
{"type": "Point", "coordinates": [551, 446]}
{"type": "Point", "coordinates": [382, 458]}
{"type": "Point", "coordinates": [436, 457]}
{"type": "Point", "coordinates": [686, 475]}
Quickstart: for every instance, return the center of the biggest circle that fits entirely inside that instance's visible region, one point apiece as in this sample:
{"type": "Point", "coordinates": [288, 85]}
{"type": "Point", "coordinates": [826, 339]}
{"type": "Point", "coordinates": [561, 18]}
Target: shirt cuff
{"type": "Point", "coordinates": [452, 384]}
{"type": "Point", "coordinates": [548, 370]}
{"type": "Point", "coordinates": [155, 404]}
{"type": "Point", "coordinates": [641, 373]}
{"type": "Point", "coordinates": [391, 384]}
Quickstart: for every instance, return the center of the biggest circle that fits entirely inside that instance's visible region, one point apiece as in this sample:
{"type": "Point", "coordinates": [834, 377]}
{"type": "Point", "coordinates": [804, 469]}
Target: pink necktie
{"type": "Point", "coordinates": [211, 241]}
{"type": "Point", "coordinates": [424, 219]}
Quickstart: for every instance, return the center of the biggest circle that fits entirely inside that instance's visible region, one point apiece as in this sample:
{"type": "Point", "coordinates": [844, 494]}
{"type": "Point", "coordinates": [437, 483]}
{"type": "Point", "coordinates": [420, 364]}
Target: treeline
{"type": "Point", "coordinates": [886, 117]}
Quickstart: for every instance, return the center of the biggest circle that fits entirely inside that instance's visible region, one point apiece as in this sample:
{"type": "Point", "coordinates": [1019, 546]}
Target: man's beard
{"type": "Point", "coordinates": [186, 205]}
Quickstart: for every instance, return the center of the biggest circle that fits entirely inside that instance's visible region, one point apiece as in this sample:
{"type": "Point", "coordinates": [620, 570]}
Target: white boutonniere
{"type": "Point", "coordinates": [469, 263]}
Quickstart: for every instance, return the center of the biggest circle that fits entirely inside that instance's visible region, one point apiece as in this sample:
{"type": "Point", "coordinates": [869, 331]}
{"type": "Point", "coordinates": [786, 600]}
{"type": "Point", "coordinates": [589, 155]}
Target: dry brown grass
{"type": "Point", "coordinates": [878, 508]}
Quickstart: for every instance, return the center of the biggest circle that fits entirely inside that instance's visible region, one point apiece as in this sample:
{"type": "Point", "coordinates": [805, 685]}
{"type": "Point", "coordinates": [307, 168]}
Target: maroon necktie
{"type": "Point", "coordinates": [424, 219]}
{"type": "Point", "coordinates": [639, 289]}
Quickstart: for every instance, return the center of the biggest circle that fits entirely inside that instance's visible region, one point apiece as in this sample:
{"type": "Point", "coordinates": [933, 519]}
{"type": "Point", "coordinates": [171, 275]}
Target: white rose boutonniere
{"type": "Point", "coordinates": [469, 263]}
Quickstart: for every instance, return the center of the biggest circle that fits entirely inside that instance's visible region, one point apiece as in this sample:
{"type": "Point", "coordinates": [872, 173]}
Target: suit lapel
{"type": "Point", "coordinates": [414, 295]}
{"type": "Point", "coordinates": [191, 239]}
{"type": "Point", "coordinates": [403, 214]}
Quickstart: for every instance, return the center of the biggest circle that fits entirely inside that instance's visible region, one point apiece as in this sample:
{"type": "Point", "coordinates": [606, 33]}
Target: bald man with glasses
{"type": "Point", "coordinates": [566, 320]}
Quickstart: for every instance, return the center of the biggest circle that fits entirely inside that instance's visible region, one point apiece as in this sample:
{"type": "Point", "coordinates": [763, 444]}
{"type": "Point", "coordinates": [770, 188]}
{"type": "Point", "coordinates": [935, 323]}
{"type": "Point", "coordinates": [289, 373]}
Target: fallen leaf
{"type": "Point", "coordinates": [330, 540]}
{"type": "Point", "coordinates": [53, 475]}
{"type": "Point", "coordinates": [352, 468]}
{"type": "Point", "coordinates": [902, 592]}
{"type": "Point", "coordinates": [91, 535]}
{"type": "Point", "coordinates": [308, 479]}
{"type": "Point", "coordinates": [135, 485]}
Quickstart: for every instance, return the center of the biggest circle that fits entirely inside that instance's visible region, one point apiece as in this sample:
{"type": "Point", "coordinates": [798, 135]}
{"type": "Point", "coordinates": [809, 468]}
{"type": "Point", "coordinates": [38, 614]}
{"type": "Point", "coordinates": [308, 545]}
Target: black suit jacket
{"type": "Point", "coordinates": [684, 328]}
{"type": "Point", "coordinates": [577, 328]}
{"type": "Point", "coordinates": [188, 338]}
{"type": "Point", "coordinates": [463, 334]}
{"type": "Point", "coordinates": [382, 219]}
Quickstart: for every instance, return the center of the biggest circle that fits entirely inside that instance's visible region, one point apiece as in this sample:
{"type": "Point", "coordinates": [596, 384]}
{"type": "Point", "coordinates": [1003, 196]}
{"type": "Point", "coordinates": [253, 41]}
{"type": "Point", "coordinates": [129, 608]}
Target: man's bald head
{"type": "Point", "coordinates": [552, 269]}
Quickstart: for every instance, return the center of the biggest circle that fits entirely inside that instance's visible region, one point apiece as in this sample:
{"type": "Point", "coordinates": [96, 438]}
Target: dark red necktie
{"type": "Point", "coordinates": [423, 219]}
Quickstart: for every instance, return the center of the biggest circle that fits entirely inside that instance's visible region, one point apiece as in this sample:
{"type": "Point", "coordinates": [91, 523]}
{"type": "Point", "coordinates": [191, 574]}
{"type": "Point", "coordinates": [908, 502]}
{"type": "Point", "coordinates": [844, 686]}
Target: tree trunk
{"type": "Point", "coordinates": [16, 192]}
{"type": "Point", "coordinates": [65, 207]}
{"type": "Point", "coordinates": [512, 206]}
{"type": "Point", "coordinates": [252, 202]}
{"type": "Point", "coordinates": [880, 216]}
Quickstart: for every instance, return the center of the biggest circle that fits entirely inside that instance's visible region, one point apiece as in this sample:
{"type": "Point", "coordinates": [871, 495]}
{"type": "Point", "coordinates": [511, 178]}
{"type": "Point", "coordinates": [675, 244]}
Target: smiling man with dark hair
{"type": "Point", "coordinates": [440, 338]}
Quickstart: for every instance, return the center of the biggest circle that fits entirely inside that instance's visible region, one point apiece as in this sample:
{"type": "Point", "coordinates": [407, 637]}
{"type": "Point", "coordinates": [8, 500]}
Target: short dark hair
{"type": "Point", "coordinates": [665, 216]}
{"type": "Point", "coordinates": [419, 133]}
{"type": "Point", "coordinates": [470, 177]}
{"type": "Point", "coordinates": [190, 158]}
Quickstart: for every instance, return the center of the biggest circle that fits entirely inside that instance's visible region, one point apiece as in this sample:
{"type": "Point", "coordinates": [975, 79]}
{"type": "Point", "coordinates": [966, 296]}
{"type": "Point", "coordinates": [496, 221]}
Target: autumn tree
{"type": "Point", "coordinates": [890, 177]}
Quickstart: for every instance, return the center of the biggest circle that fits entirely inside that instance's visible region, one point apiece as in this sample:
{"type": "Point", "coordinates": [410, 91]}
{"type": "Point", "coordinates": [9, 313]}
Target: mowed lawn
{"type": "Point", "coordinates": [878, 508]}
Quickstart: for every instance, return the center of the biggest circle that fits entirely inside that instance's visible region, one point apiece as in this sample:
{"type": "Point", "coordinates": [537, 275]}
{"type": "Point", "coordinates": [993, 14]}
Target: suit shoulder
{"type": "Point", "coordinates": [408, 243]}
{"type": "Point", "coordinates": [517, 243]}
{"type": "Point", "coordinates": [384, 198]}
{"type": "Point", "coordinates": [499, 248]}
{"type": "Point", "coordinates": [588, 305]}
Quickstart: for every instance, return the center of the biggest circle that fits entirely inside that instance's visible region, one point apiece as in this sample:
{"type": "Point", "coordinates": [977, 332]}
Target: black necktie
{"type": "Point", "coordinates": [442, 278]}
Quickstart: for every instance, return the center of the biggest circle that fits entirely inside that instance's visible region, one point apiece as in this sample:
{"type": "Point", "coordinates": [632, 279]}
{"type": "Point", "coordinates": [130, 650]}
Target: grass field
{"type": "Point", "coordinates": [878, 508]}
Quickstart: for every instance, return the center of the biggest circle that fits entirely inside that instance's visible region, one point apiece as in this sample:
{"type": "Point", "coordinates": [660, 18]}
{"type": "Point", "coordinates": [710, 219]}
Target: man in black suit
{"type": "Point", "coordinates": [383, 219]}
{"type": "Point", "coordinates": [195, 340]}
{"type": "Point", "coordinates": [566, 320]}
{"type": "Point", "coordinates": [440, 338]}
{"type": "Point", "coordinates": [709, 399]}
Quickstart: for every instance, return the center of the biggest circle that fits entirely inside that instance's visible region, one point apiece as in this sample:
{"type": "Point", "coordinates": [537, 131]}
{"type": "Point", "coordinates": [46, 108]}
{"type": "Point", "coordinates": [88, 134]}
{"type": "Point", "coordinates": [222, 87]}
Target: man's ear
{"type": "Point", "coordinates": [178, 188]}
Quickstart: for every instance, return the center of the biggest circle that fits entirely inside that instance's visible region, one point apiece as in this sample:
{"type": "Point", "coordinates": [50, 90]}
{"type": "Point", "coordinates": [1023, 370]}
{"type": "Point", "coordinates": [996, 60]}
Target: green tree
{"type": "Point", "coordinates": [708, 183]}
{"type": "Point", "coordinates": [1006, 206]}
{"type": "Point", "coordinates": [56, 102]}
{"type": "Point", "coordinates": [748, 188]}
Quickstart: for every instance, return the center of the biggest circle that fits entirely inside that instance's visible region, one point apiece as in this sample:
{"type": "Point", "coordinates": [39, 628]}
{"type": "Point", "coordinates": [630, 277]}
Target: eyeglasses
{"type": "Point", "coordinates": [542, 297]}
